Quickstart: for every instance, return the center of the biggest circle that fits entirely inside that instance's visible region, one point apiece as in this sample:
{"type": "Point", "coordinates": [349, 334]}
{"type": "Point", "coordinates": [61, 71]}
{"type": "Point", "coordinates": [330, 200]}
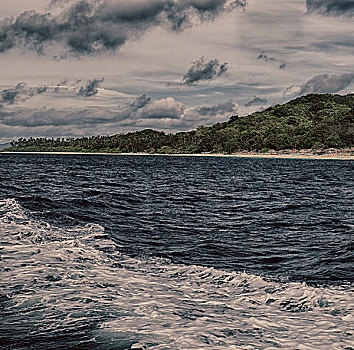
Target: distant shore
{"type": "Point", "coordinates": [278, 154]}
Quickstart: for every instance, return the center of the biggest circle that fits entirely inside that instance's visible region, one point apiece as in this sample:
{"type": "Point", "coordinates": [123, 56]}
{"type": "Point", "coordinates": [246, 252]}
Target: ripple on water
{"type": "Point", "coordinates": [72, 288]}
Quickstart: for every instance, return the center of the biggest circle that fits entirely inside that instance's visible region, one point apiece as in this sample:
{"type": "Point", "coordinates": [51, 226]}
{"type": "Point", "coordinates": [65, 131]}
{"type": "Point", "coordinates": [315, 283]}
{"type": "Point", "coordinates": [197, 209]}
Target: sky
{"type": "Point", "coordinates": [72, 68]}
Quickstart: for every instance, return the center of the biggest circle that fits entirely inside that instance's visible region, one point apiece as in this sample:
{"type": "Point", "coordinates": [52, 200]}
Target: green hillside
{"type": "Point", "coordinates": [312, 121]}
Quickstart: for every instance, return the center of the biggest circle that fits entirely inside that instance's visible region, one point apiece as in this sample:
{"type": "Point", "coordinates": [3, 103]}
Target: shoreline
{"type": "Point", "coordinates": [221, 155]}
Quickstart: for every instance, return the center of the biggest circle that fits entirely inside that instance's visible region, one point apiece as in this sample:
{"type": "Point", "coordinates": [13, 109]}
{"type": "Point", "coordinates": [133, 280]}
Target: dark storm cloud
{"type": "Point", "coordinates": [204, 71]}
{"type": "Point", "coordinates": [324, 83]}
{"type": "Point", "coordinates": [94, 26]}
{"type": "Point", "coordinates": [331, 7]}
{"type": "Point", "coordinates": [256, 101]}
{"type": "Point", "coordinates": [91, 87]}
{"type": "Point", "coordinates": [140, 102]}
{"type": "Point", "coordinates": [10, 96]}
{"type": "Point", "coordinates": [266, 58]}
{"type": "Point", "coordinates": [19, 93]}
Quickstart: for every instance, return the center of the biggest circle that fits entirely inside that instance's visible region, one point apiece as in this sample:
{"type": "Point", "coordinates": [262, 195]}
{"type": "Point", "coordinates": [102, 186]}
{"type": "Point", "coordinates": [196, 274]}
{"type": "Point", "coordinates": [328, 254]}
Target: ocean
{"type": "Point", "coordinates": [160, 252]}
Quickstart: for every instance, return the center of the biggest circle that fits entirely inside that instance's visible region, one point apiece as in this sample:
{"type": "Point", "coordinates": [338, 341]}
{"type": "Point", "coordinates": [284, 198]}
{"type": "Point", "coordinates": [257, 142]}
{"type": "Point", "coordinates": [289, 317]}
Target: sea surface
{"type": "Point", "coordinates": [160, 252]}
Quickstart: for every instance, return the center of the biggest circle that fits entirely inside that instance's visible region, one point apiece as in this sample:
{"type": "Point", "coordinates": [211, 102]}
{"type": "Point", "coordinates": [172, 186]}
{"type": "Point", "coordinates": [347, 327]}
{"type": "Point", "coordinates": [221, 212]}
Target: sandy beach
{"type": "Point", "coordinates": [334, 156]}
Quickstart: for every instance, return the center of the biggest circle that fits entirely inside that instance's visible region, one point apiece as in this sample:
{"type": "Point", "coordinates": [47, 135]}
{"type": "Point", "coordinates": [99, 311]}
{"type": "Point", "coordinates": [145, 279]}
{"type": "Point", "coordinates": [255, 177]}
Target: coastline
{"type": "Point", "coordinates": [334, 156]}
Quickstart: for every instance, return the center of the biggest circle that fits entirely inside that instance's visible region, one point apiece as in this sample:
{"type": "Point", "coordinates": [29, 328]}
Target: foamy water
{"type": "Point", "coordinates": [72, 288]}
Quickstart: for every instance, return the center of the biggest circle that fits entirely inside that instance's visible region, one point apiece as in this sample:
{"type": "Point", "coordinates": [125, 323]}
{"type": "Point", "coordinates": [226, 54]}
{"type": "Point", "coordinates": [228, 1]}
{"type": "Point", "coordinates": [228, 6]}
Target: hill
{"type": "Point", "coordinates": [4, 145]}
{"type": "Point", "coordinates": [309, 122]}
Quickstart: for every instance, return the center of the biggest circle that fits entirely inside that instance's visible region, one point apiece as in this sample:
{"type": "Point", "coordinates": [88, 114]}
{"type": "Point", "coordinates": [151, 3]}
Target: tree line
{"type": "Point", "coordinates": [312, 121]}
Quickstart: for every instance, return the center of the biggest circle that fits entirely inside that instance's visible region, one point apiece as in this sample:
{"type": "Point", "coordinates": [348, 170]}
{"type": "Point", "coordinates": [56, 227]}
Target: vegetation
{"type": "Point", "coordinates": [312, 121]}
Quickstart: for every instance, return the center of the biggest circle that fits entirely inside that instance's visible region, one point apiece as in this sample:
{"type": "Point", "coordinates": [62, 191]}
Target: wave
{"type": "Point", "coordinates": [73, 288]}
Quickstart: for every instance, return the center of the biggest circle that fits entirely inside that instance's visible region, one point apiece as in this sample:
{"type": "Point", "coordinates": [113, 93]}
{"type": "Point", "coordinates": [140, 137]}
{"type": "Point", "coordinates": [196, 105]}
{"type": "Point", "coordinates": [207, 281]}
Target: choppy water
{"type": "Point", "coordinates": [175, 253]}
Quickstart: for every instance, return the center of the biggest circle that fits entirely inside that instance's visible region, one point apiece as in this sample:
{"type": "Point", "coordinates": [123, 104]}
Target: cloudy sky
{"type": "Point", "coordinates": [89, 67]}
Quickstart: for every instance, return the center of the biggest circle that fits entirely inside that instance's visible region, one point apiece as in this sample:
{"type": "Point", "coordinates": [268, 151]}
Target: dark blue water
{"type": "Point", "coordinates": [288, 218]}
{"type": "Point", "coordinates": [166, 253]}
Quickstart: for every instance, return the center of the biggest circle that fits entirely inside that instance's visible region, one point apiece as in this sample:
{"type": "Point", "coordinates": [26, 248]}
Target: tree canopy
{"type": "Point", "coordinates": [312, 121]}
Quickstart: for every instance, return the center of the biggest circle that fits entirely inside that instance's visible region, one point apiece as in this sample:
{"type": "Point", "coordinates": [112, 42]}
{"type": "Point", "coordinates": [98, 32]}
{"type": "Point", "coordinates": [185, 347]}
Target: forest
{"type": "Point", "coordinates": [308, 122]}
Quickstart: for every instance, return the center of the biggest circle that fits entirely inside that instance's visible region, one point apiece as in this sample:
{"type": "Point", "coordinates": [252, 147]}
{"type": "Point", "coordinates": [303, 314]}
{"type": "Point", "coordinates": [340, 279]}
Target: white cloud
{"type": "Point", "coordinates": [166, 107]}
{"type": "Point", "coordinates": [323, 83]}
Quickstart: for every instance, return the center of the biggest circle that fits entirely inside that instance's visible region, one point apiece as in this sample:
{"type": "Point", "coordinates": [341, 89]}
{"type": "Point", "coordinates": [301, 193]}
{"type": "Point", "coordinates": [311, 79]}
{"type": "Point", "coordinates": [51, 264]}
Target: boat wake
{"type": "Point", "coordinates": [71, 287]}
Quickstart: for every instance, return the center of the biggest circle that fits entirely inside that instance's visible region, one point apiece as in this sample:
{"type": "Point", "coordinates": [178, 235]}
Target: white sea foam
{"type": "Point", "coordinates": [55, 279]}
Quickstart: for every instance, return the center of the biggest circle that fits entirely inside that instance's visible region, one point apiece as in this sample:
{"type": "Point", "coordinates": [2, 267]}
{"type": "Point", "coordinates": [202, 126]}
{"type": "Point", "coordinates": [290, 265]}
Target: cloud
{"type": "Point", "coordinates": [163, 108]}
{"type": "Point", "coordinates": [331, 7]}
{"type": "Point", "coordinates": [91, 88]}
{"type": "Point", "coordinates": [56, 3]}
{"type": "Point", "coordinates": [140, 102]}
{"type": "Point", "coordinates": [62, 83]}
{"type": "Point", "coordinates": [321, 84]}
{"type": "Point", "coordinates": [266, 58]}
{"type": "Point", "coordinates": [220, 109]}
{"type": "Point", "coordinates": [144, 112]}
{"type": "Point", "coordinates": [94, 26]}
{"type": "Point", "coordinates": [10, 96]}
{"type": "Point", "coordinates": [42, 89]}
{"type": "Point", "coordinates": [256, 101]}
{"type": "Point", "coordinates": [208, 115]}
{"type": "Point", "coordinates": [19, 93]}
{"type": "Point", "coordinates": [145, 107]}
{"type": "Point", "coordinates": [53, 117]}
{"type": "Point", "coordinates": [204, 71]}
{"type": "Point", "coordinates": [142, 108]}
